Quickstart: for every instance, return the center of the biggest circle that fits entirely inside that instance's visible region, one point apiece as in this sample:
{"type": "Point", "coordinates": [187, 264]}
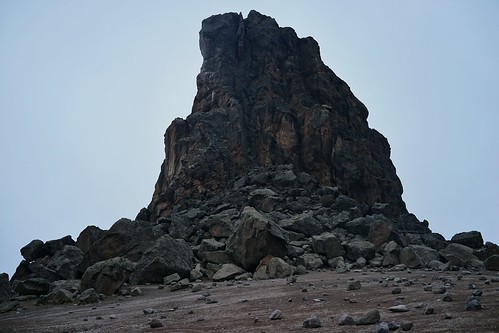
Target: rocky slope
{"type": "Point", "coordinates": [275, 173]}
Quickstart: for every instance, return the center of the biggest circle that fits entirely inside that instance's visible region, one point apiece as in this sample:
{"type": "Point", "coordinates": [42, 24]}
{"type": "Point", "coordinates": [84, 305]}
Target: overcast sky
{"type": "Point", "coordinates": [88, 88]}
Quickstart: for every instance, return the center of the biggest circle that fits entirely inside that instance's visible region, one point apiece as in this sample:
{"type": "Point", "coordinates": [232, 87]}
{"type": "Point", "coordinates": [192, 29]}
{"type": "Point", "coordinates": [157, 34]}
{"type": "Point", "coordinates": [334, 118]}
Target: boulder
{"type": "Point", "coordinates": [304, 223]}
{"type": "Point", "coordinates": [88, 296]}
{"type": "Point", "coordinates": [33, 250]}
{"type": "Point", "coordinates": [391, 252]}
{"type": "Point", "coordinates": [87, 237]}
{"type": "Point", "coordinates": [107, 276]}
{"type": "Point", "coordinates": [472, 239]}
{"type": "Point", "coordinates": [278, 268]}
{"type": "Point", "coordinates": [217, 257]}
{"type": "Point", "coordinates": [370, 318]}
{"type": "Point", "coordinates": [309, 261]}
{"type": "Point", "coordinates": [459, 255]}
{"type": "Point", "coordinates": [414, 256]}
{"type": "Point", "coordinates": [52, 246]}
{"type": "Point", "coordinates": [492, 262]}
{"type": "Point", "coordinates": [166, 257]}
{"type": "Point", "coordinates": [359, 226]}
{"type": "Point", "coordinates": [327, 244]}
{"type": "Point", "coordinates": [357, 249]}
{"type": "Point", "coordinates": [5, 290]}
{"type": "Point", "coordinates": [34, 286]}
{"type": "Point", "coordinates": [210, 244]}
{"type": "Point", "coordinates": [66, 261]}
{"type": "Point", "coordinates": [58, 296]}
{"type": "Point", "coordinates": [227, 272]}
{"type": "Point", "coordinates": [381, 231]}
{"type": "Point", "coordinates": [71, 285]}
{"type": "Point", "coordinates": [254, 237]}
{"type": "Point", "coordinates": [125, 238]}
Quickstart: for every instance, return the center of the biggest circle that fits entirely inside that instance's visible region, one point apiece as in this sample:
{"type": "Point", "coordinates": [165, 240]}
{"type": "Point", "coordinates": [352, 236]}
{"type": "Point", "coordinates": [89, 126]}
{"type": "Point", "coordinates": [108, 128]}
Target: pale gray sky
{"type": "Point", "coordinates": [87, 89]}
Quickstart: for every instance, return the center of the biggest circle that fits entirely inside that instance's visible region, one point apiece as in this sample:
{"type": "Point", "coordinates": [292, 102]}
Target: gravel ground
{"type": "Point", "coordinates": [246, 306]}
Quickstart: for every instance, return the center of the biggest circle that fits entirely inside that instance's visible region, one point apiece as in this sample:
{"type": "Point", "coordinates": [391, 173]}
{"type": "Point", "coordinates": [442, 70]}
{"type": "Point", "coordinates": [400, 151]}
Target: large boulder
{"type": "Point", "coordinates": [414, 256]}
{"type": "Point", "coordinates": [472, 239]}
{"type": "Point", "coordinates": [328, 244]}
{"type": "Point", "coordinates": [492, 262]}
{"type": "Point", "coordinates": [33, 250]}
{"type": "Point", "coordinates": [87, 237]}
{"type": "Point", "coordinates": [5, 290]}
{"type": "Point", "coordinates": [52, 246]}
{"type": "Point", "coordinates": [227, 272]}
{"type": "Point", "coordinates": [309, 261]}
{"type": "Point", "coordinates": [304, 223]}
{"type": "Point", "coordinates": [125, 238]}
{"type": "Point", "coordinates": [459, 255]}
{"type": "Point", "coordinates": [166, 257]}
{"type": "Point", "coordinates": [66, 261]}
{"type": "Point", "coordinates": [254, 237]}
{"type": "Point", "coordinates": [107, 276]}
{"type": "Point", "coordinates": [34, 286]}
{"type": "Point", "coordinates": [391, 253]}
{"type": "Point", "coordinates": [357, 249]}
{"type": "Point", "coordinates": [278, 268]}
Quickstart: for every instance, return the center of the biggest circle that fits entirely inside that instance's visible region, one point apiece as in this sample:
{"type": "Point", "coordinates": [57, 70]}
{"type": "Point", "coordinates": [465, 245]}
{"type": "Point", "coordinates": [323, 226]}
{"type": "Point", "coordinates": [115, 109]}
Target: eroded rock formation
{"type": "Point", "coordinates": [266, 98]}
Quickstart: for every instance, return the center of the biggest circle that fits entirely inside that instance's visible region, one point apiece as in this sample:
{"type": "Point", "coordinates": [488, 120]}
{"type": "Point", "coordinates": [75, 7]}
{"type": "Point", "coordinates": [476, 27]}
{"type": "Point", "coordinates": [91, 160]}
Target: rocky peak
{"type": "Point", "coordinates": [266, 98]}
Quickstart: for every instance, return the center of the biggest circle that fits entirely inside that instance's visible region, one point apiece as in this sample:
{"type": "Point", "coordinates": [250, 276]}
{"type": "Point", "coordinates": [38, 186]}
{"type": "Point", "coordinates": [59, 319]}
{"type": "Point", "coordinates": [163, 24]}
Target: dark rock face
{"type": "Point", "coordinates": [266, 98]}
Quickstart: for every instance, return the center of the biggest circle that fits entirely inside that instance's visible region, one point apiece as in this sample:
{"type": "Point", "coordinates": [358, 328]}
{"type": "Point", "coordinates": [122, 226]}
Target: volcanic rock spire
{"type": "Point", "coordinates": [265, 98]}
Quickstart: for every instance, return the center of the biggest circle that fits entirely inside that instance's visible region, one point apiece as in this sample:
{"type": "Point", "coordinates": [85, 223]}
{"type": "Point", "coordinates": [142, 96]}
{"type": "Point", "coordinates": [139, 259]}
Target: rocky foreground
{"type": "Point", "coordinates": [369, 300]}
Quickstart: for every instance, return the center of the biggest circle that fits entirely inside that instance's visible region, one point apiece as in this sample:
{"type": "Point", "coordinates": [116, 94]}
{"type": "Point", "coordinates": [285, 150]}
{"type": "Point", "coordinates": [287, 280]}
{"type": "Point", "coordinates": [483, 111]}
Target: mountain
{"type": "Point", "coordinates": [265, 98]}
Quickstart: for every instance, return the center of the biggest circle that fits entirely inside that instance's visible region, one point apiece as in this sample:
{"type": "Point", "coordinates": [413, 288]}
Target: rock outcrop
{"type": "Point", "coordinates": [266, 98]}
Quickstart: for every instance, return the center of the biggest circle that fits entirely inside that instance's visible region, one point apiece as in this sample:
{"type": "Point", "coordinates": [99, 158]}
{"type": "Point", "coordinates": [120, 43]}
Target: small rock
{"type": "Point", "coordinates": [171, 278]}
{"type": "Point", "coordinates": [291, 279]}
{"type": "Point", "coordinates": [136, 291]}
{"type": "Point", "coordinates": [312, 322]}
{"type": "Point", "coordinates": [447, 298]}
{"type": "Point", "coordinates": [396, 291]}
{"type": "Point", "coordinates": [477, 293]}
{"type": "Point", "coordinates": [346, 319]}
{"type": "Point", "coordinates": [112, 317]}
{"type": "Point", "coordinates": [439, 290]}
{"type": "Point", "coordinates": [148, 311]}
{"type": "Point", "coordinates": [473, 304]}
{"type": "Point", "coordinates": [210, 301]}
{"type": "Point", "coordinates": [448, 315]}
{"type": "Point", "coordinates": [197, 287]}
{"type": "Point", "coordinates": [276, 315]}
{"type": "Point", "coordinates": [370, 318]}
{"type": "Point", "coordinates": [393, 326]}
{"type": "Point", "coordinates": [406, 325]}
{"type": "Point", "coordinates": [398, 308]}
{"type": "Point", "coordinates": [381, 328]}
{"type": "Point", "coordinates": [155, 323]}
{"type": "Point", "coordinates": [353, 285]}
{"type": "Point", "coordinates": [429, 310]}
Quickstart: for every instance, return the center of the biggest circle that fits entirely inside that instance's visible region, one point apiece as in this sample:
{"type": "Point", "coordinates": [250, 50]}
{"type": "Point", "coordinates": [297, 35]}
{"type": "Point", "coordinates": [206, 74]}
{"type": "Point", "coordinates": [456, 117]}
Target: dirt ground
{"type": "Point", "coordinates": [246, 306]}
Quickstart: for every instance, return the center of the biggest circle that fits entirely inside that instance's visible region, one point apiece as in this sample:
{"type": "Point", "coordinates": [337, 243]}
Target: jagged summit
{"type": "Point", "coordinates": [266, 98]}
